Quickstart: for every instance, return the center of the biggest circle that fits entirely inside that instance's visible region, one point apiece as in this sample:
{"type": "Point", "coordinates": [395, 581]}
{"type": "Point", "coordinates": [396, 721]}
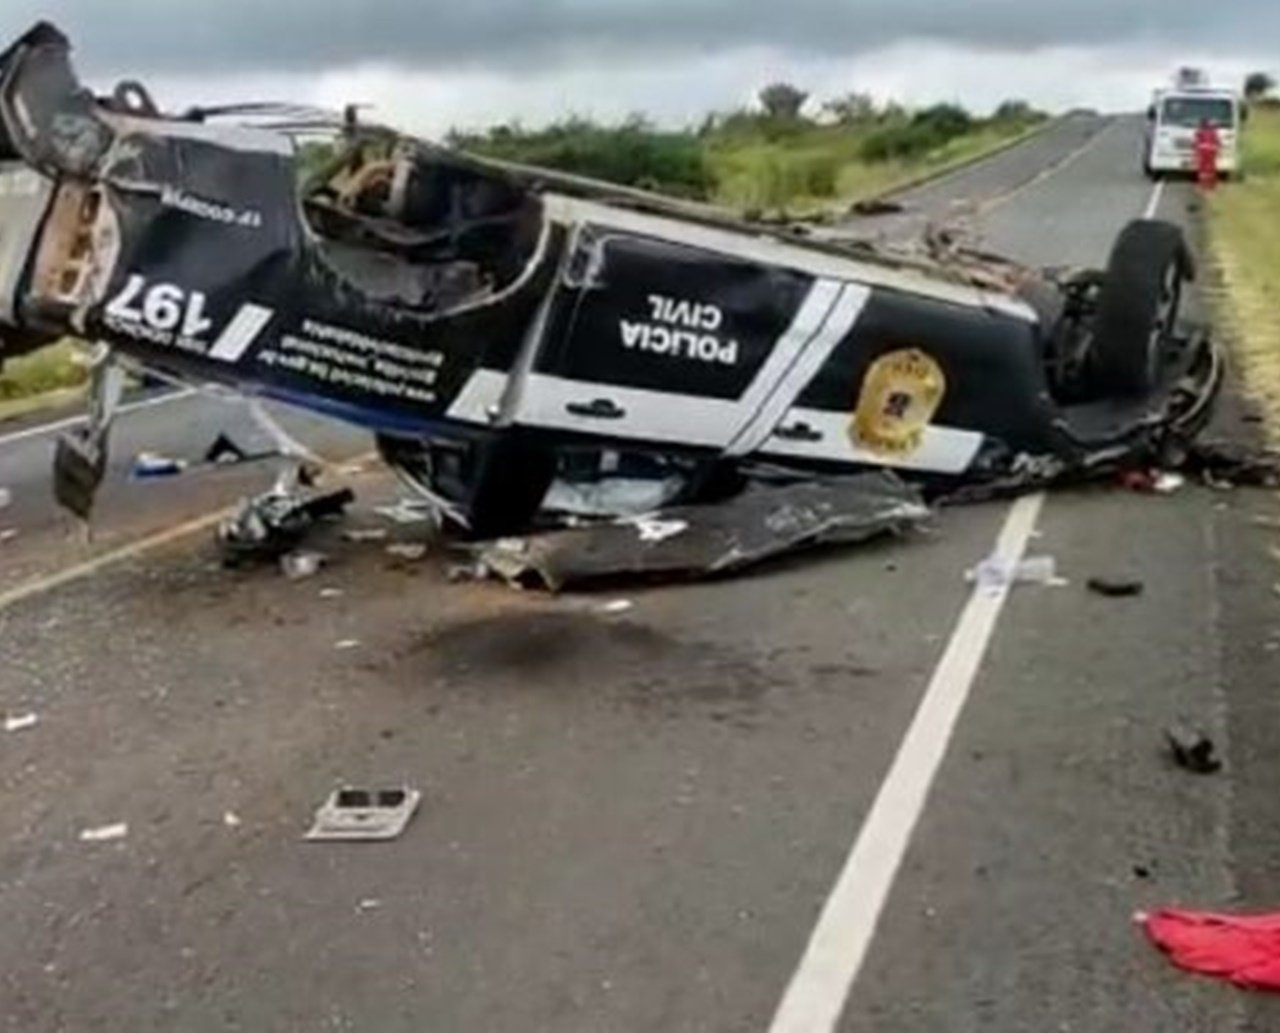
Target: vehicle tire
{"type": "Point", "coordinates": [1138, 308]}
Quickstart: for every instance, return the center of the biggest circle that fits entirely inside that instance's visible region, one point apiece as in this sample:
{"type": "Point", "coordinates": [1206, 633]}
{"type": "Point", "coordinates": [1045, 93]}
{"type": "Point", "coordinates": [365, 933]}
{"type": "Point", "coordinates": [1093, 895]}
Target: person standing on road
{"type": "Point", "coordinates": [1208, 145]}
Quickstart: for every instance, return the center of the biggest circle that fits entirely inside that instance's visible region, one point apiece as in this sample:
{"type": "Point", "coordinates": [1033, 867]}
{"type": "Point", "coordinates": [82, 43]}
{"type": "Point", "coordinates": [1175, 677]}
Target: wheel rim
{"type": "Point", "coordinates": [1164, 318]}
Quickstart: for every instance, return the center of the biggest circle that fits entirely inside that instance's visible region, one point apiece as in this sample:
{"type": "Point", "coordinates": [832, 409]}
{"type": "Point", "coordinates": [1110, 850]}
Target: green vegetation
{"type": "Point", "coordinates": [57, 368]}
{"type": "Point", "coordinates": [1243, 222]}
{"type": "Point", "coordinates": [775, 159]}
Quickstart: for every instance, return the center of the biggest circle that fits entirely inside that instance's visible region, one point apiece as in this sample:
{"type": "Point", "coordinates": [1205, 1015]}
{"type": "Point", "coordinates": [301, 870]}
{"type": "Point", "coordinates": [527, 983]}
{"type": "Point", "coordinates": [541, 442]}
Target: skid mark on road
{"type": "Point", "coordinates": [816, 995]}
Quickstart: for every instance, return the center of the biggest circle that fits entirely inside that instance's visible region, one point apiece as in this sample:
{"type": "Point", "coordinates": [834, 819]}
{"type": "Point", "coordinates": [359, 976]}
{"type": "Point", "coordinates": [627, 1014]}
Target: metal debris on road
{"type": "Point", "coordinates": [346, 644]}
{"type": "Point", "coordinates": [20, 722]}
{"type": "Point", "coordinates": [1192, 750]}
{"type": "Point", "coordinates": [364, 814]}
{"type": "Point", "coordinates": [408, 512]}
{"type": "Point", "coordinates": [412, 551]}
{"type": "Point", "coordinates": [1168, 483]}
{"type": "Point", "coordinates": [617, 606]}
{"type": "Point", "coordinates": [1114, 588]}
{"type": "Point", "coordinates": [104, 833]}
{"type": "Point", "coordinates": [1233, 463]}
{"type": "Point", "coordinates": [331, 593]}
{"type": "Point", "coordinates": [231, 820]}
{"type": "Point", "coordinates": [268, 526]}
{"type": "Point", "coordinates": [298, 566]}
{"type": "Point", "coordinates": [151, 465]}
{"type": "Point", "coordinates": [362, 535]}
{"type": "Point", "coordinates": [8, 534]}
{"type": "Point", "coordinates": [711, 540]}
{"type": "Point", "coordinates": [6, 498]}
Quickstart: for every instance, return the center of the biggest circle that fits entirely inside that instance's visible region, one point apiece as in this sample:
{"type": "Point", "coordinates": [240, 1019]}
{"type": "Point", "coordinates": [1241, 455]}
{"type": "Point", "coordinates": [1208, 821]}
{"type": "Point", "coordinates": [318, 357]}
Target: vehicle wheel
{"type": "Point", "coordinates": [1138, 308]}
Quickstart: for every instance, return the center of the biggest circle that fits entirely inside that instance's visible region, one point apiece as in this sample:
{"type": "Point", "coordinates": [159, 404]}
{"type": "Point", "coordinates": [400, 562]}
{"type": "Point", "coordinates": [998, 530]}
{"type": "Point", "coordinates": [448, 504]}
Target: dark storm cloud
{"type": "Point", "coordinates": [289, 35]}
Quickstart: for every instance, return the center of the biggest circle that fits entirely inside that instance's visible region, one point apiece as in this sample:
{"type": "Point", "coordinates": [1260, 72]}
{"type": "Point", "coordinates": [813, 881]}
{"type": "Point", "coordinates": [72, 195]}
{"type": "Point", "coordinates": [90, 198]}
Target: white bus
{"type": "Point", "coordinates": [1172, 121]}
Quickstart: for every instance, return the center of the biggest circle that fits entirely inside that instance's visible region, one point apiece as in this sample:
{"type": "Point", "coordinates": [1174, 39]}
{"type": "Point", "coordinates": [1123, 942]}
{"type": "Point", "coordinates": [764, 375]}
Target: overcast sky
{"type": "Point", "coordinates": [432, 64]}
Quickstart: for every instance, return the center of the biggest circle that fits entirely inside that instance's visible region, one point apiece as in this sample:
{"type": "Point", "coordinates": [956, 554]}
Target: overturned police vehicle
{"type": "Point", "coordinates": [493, 325]}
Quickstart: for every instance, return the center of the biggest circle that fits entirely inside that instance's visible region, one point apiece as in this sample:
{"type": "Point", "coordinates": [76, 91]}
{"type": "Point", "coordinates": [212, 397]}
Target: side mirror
{"type": "Point", "coordinates": [1151, 113]}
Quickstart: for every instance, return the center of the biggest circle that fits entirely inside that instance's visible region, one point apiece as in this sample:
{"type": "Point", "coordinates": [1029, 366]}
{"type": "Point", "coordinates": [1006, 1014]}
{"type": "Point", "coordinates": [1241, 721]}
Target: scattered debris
{"type": "Point", "coordinates": [1234, 463]}
{"type": "Point", "coordinates": [999, 572]}
{"type": "Point", "coordinates": [231, 820]}
{"type": "Point", "coordinates": [364, 814]}
{"type": "Point", "coordinates": [1151, 482]}
{"type": "Point", "coordinates": [369, 904]}
{"type": "Point", "coordinates": [408, 512]}
{"type": "Point", "coordinates": [617, 606]}
{"type": "Point", "coordinates": [6, 498]}
{"type": "Point", "coordinates": [1141, 871]}
{"type": "Point", "coordinates": [225, 452]}
{"type": "Point", "coordinates": [412, 551]}
{"type": "Point", "coordinates": [331, 593]}
{"type": "Point", "coordinates": [79, 465]}
{"type": "Point", "coordinates": [8, 534]}
{"type": "Point", "coordinates": [271, 525]}
{"type": "Point", "coordinates": [104, 833]}
{"type": "Point", "coordinates": [460, 572]}
{"type": "Point", "coordinates": [1244, 949]}
{"type": "Point", "coordinates": [20, 722]}
{"type": "Point", "coordinates": [1192, 751]}
{"type": "Point", "coordinates": [653, 530]}
{"type": "Point", "coordinates": [151, 465]}
{"type": "Point", "coordinates": [1115, 589]}
{"type": "Point", "coordinates": [365, 534]}
{"type": "Point", "coordinates": [876, 206]}
{"type": "Point", "coordinates": [346, 644]}
{"type": "Point", "coordinates": [1142, 481]}
{"type": "Point", "coordinates": [297, 566]}
{"type": "Point", "coordinates": [709, 540]}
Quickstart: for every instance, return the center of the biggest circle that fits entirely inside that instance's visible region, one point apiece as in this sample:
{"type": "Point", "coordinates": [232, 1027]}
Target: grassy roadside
{"type": "Point", "coordinates": [825, 167]}
{"type": "Point", "coordinates": [51, 376]}
{"type": "Point", "coordinates": [1244, 233]}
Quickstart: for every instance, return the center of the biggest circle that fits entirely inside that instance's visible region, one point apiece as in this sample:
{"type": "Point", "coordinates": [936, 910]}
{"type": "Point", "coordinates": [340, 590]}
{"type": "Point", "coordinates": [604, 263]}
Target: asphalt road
{"type": "Point", "coordinates": [632, 821]}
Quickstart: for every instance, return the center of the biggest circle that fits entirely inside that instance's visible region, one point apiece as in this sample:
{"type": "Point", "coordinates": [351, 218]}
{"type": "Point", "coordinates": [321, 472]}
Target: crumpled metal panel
{"type": "Point", "coordinates": [708, 540]}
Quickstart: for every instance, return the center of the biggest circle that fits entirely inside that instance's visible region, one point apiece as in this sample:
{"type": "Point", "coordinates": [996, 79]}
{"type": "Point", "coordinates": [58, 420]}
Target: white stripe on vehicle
{"type": "Point", "coordinates": [241, 332]}
{"type": "Point", "coordinates": [942, 449]}
{"type": "Point", "coordinates": [656, 416]}
{"type": "Point", "coordinates": [780, 392]}
{"type": "Point", "coordinates": [480, 400]}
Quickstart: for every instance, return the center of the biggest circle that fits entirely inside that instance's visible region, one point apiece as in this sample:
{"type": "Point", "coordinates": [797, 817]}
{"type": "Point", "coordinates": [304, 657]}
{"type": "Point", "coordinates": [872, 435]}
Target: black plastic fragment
{"type": "Point", "coordinates": [1193, 751]}
{"type": "Point", "coordinates": [1115, 588]}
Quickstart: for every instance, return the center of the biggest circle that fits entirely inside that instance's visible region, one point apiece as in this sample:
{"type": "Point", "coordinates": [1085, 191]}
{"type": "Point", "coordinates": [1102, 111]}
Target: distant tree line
{"type": "Point", "coordinates": [636, 153]}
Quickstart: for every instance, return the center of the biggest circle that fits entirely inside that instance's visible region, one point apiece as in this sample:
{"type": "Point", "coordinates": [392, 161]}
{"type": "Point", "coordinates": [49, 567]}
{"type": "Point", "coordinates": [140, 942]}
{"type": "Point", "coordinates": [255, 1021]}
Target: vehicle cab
{"type": "Point", "coordinates": [1172, 121]}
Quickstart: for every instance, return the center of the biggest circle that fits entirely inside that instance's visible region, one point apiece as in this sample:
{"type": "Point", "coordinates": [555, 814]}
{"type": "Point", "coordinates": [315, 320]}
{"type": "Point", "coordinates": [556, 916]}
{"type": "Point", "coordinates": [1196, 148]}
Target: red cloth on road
{"type": "Point", "coordinates": [1244, 949]}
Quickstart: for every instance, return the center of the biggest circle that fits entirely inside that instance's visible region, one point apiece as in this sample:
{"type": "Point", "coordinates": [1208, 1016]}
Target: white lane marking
{"type": "Point", "coordinates": [1153, 205]}
{"type": "Point", "coordinates": [75, 421]}
{"type": "Point", "coordinates": [816, 995]}
{"type": "Point", "coordinates": [1048, 172]}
